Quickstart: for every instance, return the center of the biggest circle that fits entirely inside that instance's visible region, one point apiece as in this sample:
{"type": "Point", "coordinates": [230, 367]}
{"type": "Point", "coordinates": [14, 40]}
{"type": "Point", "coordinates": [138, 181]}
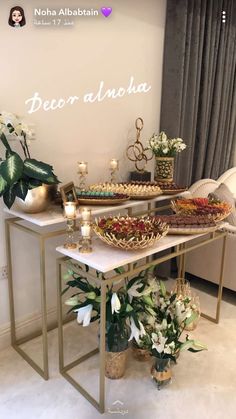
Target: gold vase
{"type": "Point", "coordinates": [37, 199]}
{"type": "Point", "coordinates": [140, 354]}
{"type": "Point", "coordinates": [164, 170]}
{"type": "Point", "coordinates": [161, 372]}
{"type": "Point", "coordinates": [115, 364]}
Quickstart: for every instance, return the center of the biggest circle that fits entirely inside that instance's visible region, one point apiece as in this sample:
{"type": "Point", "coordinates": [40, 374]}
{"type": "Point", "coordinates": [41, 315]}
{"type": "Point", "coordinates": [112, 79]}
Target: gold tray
{"type": "Point", "coordinates": [144, 197]}
{"type": "Point", "coordinates": [172, 191]}
{"type": "Point", "coordinates": [189, 231]}
{"type": "Point", "coordinates": [107, 201]}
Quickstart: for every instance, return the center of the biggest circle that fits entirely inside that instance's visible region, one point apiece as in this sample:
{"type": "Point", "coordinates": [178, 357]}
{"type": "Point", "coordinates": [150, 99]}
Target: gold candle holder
{"type": "Point", "coordinates": [85, 241]}
{"type": "Point", "coordinates": [70, 214]}
{"type": "Point", "coordinates": [82, 171]}
{"type": "Point", "coordinates": [114, 167]}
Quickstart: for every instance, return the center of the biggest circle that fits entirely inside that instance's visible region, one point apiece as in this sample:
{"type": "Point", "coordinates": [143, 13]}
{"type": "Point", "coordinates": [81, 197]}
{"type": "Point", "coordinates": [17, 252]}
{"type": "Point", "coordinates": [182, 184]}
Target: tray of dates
{"type": "Point", "coordinates": [188, 224]}
{"type": "Point", "coordinates": [100, 198]}
{"type": "Point", "coordinates": [213, 208]}
{"type": "Point", "coordinates": [130, 233]}
{"type": "Point", "coordinates": [135, 190]}
{"type": "Point", "coordinates": [170, 188]}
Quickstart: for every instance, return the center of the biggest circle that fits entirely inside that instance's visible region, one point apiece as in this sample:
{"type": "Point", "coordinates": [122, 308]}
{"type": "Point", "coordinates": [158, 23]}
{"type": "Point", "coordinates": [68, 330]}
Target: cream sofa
{"type": "Point", "coordinates": [205, 262]}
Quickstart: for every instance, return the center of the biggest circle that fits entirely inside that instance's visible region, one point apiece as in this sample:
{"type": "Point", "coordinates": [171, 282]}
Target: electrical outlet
{"type": "Point", "coordinates": [3, 272]}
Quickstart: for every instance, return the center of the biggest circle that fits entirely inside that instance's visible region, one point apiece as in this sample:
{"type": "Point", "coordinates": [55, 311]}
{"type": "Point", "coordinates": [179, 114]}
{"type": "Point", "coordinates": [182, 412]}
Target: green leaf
{"type": "Point", "coordinates": [9, 197]}
{"type": "Point", "coordinates": [34, 183]}
{"type": "Point", "coordinates": [37, 169]}
{"type": "Point", "coordinates": [119, 270]}
{"type": "Point", "coordinates": [191, 319]}
{"type": "Point", "coordinates": [11, 168]}
{"type": "Point", "coordinates": [3, 185]}
{"type": "Point", "coordinates": [5, 142]}
{"type": "Point", "coordinates": [21, 189]}
{"type": "Point", "coordinates": [163, 288]}
{"type": "Point", "coordinates": [51, 180]}
{"type": "Point", "coordinates": [193, 345]}
{"type": "Point", "coordinates": [128, 308]}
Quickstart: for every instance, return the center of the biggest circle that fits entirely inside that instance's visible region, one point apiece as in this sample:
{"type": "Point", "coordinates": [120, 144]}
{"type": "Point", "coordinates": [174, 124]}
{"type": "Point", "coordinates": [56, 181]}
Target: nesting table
{"type": "Point", "coordinates": [37, 225]}
{"type": "Point", "coordinates": [105, 259]}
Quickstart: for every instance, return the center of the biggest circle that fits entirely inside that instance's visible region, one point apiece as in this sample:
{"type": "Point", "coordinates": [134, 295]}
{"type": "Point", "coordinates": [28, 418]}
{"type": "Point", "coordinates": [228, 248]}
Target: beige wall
{"type": "Point", "coordinates": [72, 61]}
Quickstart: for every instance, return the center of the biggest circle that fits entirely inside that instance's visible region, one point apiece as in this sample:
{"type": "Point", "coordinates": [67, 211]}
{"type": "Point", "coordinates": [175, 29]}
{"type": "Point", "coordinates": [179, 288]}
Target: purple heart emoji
{"type": "Point", "coordinates": [106, 11]}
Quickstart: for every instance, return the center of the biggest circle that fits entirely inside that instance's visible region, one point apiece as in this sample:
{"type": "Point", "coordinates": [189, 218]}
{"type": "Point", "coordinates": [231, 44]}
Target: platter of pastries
{"type": "Point", "coordinates": [171, 188]}
{"type": "Point", "coordinates": [188, 224]}
{"type": "Point", "coordinates": [101, 198]}
{"type": "Point", "coordinates": [135, 190]}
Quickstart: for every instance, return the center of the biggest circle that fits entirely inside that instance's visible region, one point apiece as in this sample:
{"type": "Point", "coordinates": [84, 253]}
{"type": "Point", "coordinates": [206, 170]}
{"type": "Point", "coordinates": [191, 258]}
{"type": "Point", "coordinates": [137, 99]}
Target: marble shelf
{"type": "Point", "coordinates": [105, 258]}
{"type": "Point", "coordinates": [54, 214]}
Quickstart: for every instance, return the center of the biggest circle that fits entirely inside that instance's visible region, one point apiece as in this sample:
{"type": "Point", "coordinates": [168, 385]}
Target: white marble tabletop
{"type": "Point", "coordinates": [54, 214]}
{"type": "Point", "coordinates": [105, 258]}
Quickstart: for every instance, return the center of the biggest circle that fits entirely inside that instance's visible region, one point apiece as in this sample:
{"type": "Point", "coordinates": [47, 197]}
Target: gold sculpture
{"type": "Point", "coordinates": [137, 153]}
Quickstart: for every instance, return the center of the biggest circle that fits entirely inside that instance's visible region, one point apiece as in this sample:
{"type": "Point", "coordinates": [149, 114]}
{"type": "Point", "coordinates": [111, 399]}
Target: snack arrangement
{"type": "Point", "coordinates": [137, 190]}
{"type": "Point", "coordinates": [188, 224]}
{"type": "Point", "coordinates": [100, 198]}
{"type": "Point", "coordinates": [130, 233]}
{"type": "Point", "coordinates": [215, 209]}
{"type": "Point", "coordinates": [170, 188]}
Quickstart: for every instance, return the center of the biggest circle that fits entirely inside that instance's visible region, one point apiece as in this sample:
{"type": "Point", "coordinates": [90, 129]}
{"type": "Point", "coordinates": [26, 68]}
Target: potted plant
{"type": "Point", "coordinates": [122, 315]}
{"type": "Point", "coordinates": [18, 177]}
{"type": "Point", "coordinates": [165, 149]}
{"type": "Point", "coordinates": [173, 315]}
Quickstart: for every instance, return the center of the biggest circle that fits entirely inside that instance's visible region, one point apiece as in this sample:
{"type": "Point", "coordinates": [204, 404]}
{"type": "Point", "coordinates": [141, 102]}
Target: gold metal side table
{"type": "Point", "coordinates": [105, 259]}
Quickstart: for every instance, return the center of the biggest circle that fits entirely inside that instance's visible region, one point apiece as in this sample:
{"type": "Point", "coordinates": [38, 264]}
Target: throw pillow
{"type": "Point", "coordinates": [224, 194]}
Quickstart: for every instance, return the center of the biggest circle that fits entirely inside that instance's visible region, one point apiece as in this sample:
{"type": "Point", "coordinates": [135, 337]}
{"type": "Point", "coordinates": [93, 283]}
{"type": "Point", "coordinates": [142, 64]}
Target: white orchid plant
{"type": "Point", "coordinates": [17, 176]}
{"type": "Point", "coordinates": [162, 146]}
{"type": "Point", "coordinates": [124, 307]}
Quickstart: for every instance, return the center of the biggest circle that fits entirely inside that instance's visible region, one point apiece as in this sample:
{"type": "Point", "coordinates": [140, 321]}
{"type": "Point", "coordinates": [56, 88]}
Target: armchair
{"type": "Point", "coordinates": [205, 262]}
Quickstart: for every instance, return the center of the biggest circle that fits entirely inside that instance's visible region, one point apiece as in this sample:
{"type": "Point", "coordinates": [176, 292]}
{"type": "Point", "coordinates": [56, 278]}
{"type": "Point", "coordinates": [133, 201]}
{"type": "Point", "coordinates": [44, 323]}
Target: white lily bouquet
{"type": "Point", "coordinates": [124, 307]}
{"type": "Point", "coordinates": [162, 146]}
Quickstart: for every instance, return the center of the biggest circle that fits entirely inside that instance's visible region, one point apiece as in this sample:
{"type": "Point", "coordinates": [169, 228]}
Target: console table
{"type": "Point", "coordinates": [36, 225]}
{"type": "Point", "coordinates": [105, 259]}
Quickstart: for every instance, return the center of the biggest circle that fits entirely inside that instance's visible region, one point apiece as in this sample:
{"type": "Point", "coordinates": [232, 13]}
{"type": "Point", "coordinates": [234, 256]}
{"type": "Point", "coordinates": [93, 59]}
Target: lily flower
{"type": "Point", "coordinates": [72, 301]}
{"type": "Point", "coordinates": [136, 332]}
{"type": "Point", "coordinates": [115, 303]}
{"type": "Point", "coordinates": [84, 314]}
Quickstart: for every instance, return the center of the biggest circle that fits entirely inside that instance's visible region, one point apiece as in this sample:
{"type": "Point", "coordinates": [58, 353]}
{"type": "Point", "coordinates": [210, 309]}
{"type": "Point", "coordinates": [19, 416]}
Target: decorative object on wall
{"type": "Point", "coordinates": [114, 167]}
{"type": "Point", "coordinates": [140, 155]}
{"type": "Point", "coordinates": [86, 231]}
{"type": "Point", "coordinates": [18, 176]}
{"type": "Point", "coordinates": [82, 171]}
{"type": "Point", "coordinates": [68, 193]}
{"type": "Point", "coordinates": [165, 150]}
{"type": "Point", "coordinates": [130, 233]}
{"type": "Point", "coordinates": [70, 214]}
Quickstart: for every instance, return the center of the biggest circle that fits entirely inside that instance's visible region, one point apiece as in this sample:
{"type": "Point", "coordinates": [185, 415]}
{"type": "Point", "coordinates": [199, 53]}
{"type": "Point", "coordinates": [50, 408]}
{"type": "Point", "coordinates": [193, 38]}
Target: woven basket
{"type": "Point", "coordinates": [115, 364]}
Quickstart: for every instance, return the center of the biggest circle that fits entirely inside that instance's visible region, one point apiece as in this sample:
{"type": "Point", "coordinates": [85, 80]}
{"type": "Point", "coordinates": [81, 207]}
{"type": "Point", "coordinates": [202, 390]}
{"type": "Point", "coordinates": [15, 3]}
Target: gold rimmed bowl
{"type": "Point", "coordinates": [130, 233]}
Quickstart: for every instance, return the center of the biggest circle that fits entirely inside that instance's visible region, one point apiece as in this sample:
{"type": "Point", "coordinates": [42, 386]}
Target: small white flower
{"type": "Point", "coordinates": [84, 314]}
{"type": "Point", "coordinates": [115, 303]}
{"type": "Point", "coordinates": [136, 332]}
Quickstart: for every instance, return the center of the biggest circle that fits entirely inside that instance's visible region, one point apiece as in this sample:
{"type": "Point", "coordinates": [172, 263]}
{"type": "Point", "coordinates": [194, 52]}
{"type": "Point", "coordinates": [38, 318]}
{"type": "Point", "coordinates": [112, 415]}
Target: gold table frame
{"type": "Point", "coordinates": [16, 343]}
{"type": "Point", "coordinates": [179, 251]}
{"type": "Point", "coordinates": [42, 237]}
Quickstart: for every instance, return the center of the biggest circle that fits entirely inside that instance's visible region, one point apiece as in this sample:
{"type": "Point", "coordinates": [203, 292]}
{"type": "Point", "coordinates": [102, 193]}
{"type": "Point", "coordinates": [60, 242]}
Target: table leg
{"type": "Point", "coordinates": [10, 283]}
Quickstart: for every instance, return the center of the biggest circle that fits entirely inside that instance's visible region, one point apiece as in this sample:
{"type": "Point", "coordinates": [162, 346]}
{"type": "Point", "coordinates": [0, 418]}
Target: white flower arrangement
{"type": "Point", "coordinates": [15, 129]}
{"type": "Point", "coordinates": [162, 146]}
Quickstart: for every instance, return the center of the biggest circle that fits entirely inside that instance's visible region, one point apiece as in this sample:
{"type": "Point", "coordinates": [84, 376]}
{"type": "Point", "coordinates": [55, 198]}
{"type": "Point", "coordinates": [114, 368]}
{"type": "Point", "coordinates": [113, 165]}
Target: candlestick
{"type": "Point", "coordinates": [70, 214]}
{"type": "Point", "coordinates": [83, 171]}
{"type": "Point", "coordinates": [86, 238]}
{"type": "Point", "coordinates": [85, 214]}
{"type": "Point", "coordinates": [114, 166]}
